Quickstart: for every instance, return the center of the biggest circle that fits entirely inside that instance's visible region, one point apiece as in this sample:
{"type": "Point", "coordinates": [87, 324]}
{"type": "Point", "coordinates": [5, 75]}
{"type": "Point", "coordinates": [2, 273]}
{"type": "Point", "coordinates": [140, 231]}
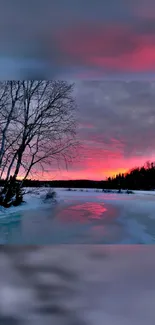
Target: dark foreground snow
{"type": "Point", "coordinates": [80, 285]}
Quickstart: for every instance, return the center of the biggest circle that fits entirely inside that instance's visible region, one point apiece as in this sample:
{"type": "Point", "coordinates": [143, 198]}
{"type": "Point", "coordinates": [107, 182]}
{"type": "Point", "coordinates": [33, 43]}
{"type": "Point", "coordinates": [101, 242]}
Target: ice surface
{"type": "Point", "coordinates": [80, 217]}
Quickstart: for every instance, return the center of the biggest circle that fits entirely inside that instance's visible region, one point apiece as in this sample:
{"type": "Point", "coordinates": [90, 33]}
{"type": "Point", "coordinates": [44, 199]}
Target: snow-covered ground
{"type": "Point", "coordinates": [85, 216]}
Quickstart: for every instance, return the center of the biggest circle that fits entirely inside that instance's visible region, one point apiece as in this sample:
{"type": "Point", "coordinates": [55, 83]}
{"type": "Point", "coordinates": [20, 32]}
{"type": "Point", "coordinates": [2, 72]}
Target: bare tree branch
{"type": "Point", "coordinates": [41, 127]}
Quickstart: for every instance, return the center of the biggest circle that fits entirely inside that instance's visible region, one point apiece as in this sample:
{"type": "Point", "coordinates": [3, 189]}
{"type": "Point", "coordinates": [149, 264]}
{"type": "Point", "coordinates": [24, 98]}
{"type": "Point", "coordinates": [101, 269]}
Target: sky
{"type": "Point", "coordinates": [115, 128]}
{"type": "Point", "coordinates": [108, 48]}
{"type": "Point", "coordinates": [90, 39]}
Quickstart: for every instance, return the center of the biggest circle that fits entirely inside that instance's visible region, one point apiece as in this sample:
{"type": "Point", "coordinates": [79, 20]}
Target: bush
{"type": "Point", "coordinates": [50, 196]}
{"type": "Point", "coordinates": [11, 194]}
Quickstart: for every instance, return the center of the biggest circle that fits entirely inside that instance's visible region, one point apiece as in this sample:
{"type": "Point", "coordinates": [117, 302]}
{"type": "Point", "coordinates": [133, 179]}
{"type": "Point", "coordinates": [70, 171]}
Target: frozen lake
{"type": "Point", "coordinates": [87, 217]}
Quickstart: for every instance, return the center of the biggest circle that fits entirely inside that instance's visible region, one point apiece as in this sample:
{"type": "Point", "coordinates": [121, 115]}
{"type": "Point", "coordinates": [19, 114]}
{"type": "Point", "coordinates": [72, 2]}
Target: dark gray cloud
{"type": "Point", "coordinates": [124, 111]}
{"type": "Point", "coordinates": [145, 26]}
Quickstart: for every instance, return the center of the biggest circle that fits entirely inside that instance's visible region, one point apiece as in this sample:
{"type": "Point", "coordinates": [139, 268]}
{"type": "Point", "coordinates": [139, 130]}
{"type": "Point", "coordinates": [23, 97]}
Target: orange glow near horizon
{"type": "Point", "coordinates": [86, 173]}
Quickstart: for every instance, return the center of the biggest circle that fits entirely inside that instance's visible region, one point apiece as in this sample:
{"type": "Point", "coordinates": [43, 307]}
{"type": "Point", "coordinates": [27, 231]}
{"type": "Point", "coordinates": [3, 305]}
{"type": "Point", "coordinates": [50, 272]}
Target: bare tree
{"type": "Point", "coordinates": [46, 125]}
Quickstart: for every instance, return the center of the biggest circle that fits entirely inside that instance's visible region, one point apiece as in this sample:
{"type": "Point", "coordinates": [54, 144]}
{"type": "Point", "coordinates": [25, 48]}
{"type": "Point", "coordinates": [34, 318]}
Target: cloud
{"type": "Point", "coordinates": [111, 47]}
{"type": "Point", "coordinates": [119, 110]}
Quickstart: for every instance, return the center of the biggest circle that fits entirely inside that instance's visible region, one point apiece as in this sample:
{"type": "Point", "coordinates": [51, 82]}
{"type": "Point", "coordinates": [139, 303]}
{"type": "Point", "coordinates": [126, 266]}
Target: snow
{"type": "Point", "coordinates": [33, 200]}
{"type": "Point", "coordinates": [87, 216]}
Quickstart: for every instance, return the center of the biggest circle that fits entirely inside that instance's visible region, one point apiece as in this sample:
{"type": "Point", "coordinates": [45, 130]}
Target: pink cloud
{"type": "Point", "coordinates": [116, 47]}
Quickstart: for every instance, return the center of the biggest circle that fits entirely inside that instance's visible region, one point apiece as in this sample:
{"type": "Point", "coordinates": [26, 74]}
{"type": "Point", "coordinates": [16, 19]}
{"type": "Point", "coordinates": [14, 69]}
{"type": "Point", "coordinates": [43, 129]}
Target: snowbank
{"type": "Point", "coordinates": [33, 200]}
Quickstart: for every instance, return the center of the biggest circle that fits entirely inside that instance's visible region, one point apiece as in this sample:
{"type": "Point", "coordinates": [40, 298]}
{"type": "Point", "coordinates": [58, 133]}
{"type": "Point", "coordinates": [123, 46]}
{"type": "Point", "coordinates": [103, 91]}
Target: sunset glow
{"type": "Point", "coordinates": [115, 129]}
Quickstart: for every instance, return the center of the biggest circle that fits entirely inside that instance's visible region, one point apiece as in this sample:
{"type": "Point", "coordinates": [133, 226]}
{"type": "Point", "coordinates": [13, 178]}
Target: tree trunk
{"type": "Point", "coordinates": [19, 160]}
{"type": "Point", "coordinates": [10, 167]}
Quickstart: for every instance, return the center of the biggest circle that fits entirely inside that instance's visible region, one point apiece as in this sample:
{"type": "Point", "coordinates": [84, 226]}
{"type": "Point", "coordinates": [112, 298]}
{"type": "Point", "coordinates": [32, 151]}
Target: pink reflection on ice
{"type": "Point", "coordinates": [82, 213]}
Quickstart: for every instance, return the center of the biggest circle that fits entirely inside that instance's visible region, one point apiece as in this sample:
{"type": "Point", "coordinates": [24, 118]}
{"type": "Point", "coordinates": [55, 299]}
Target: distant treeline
{"type": "Point", "coordinates": [139, 178]}
{"type": "Point", "coordinates": [63, 184]}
